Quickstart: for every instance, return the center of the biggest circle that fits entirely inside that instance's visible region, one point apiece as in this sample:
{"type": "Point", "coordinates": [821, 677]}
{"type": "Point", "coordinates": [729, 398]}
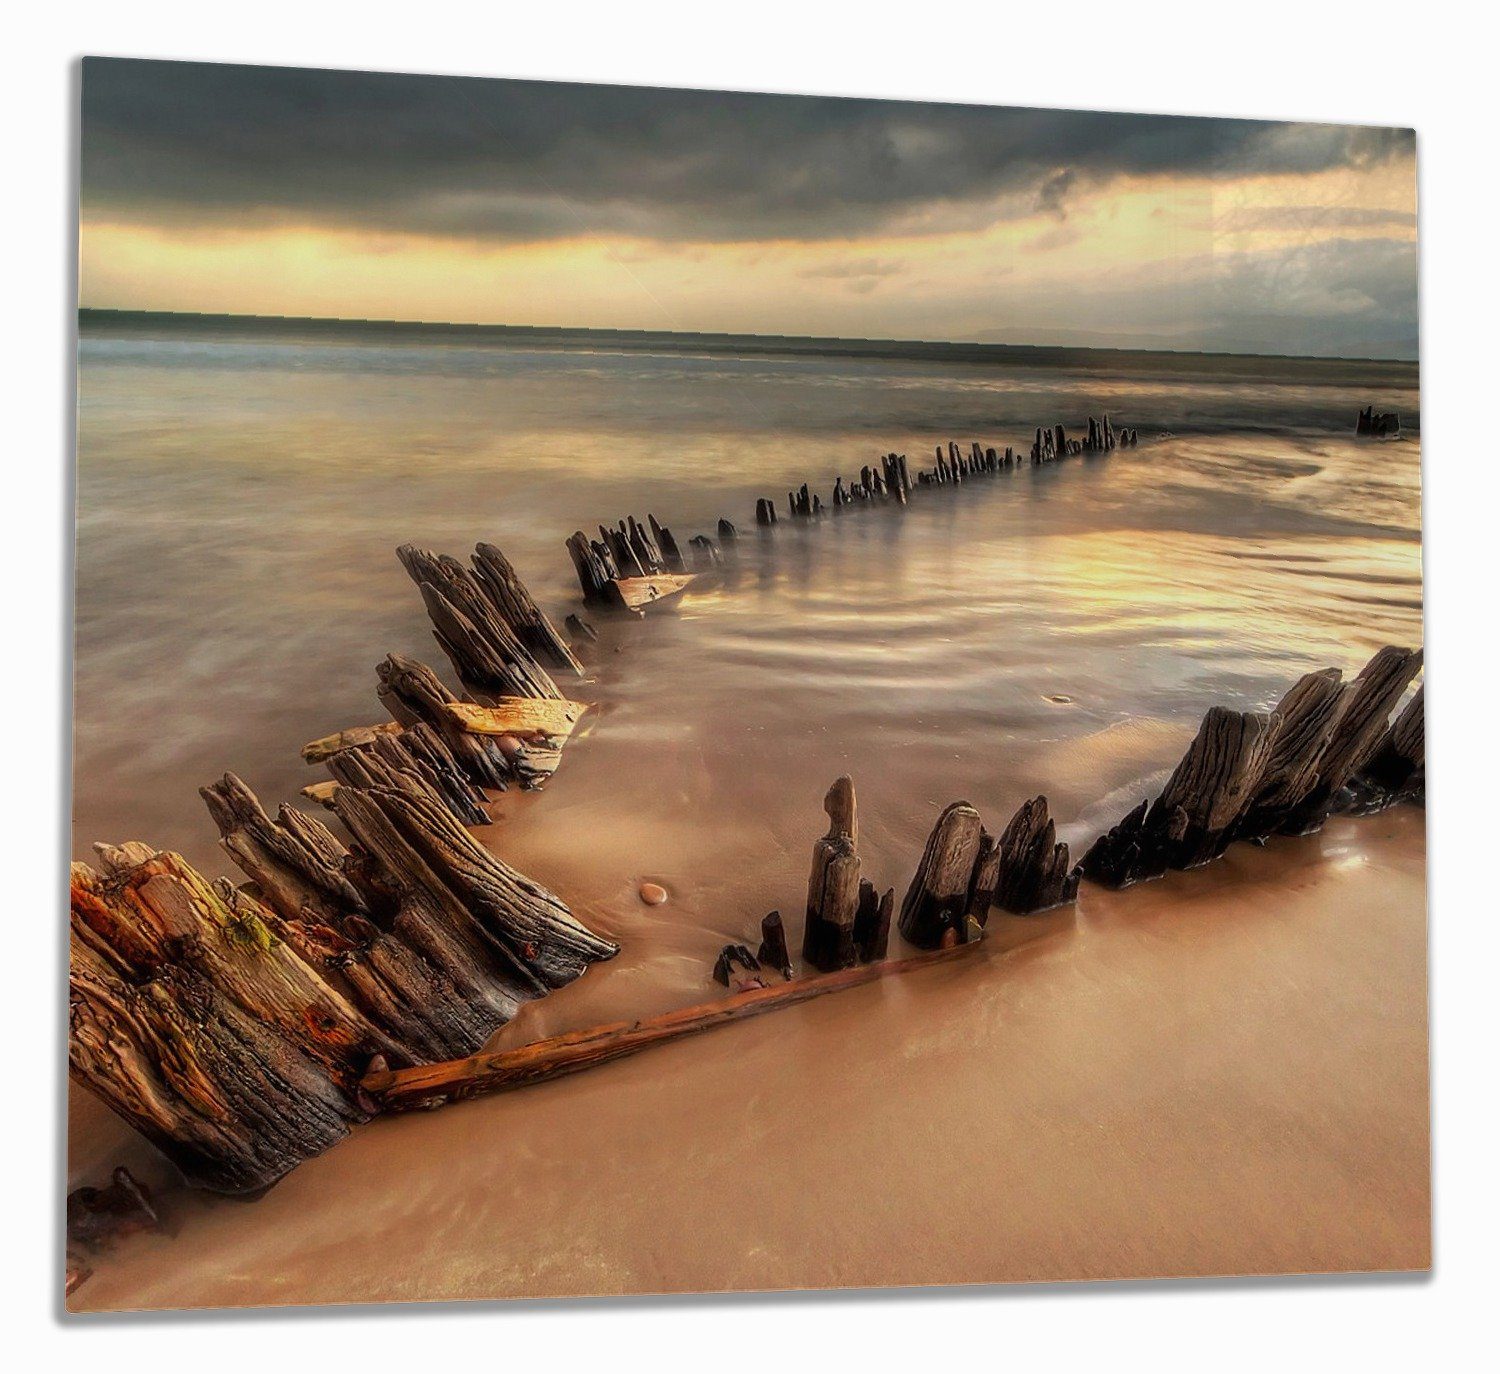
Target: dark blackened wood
{"type": "Point", "coordinates": [509, 595]}
{"type": "Point", "coordinates": [938, 895]}
{"type": "Point", "coordinates": [872, 922]}
{"type": "Point", "coordinates": [1397, 769]}
{"type": "Point", "coordinates": [1201, 809]}
{"type": "Point", "coordinates": [471, 621]}
{"type": "Point", "coordinates": [594, 564]}
{"type": "Point", "coordinates": [1032, 871]}
{"type": "Point", "coordinates": [985, 877]}
{"type": "Point", "coordinates": [671, 556]}
{"type": "Point", "coordinates": [833, 885]}
{"type": "Point", "coordinates": [765, 511]}
{"type": "Point", "coordinates": [736, 967]}
{"type": "Point", "coordinates": [1377, 426]}
{"type": "Point", "coordinates": [1248, 776]}
{"type": "Point", "coordinates": [727, 532]}
{"type": "Point", "coordinates": [1216, 780]}
{"type": "Point", "coordinates": [1359, 724]}
{"type": "Point", "coordinates": [773, 950]}
{"type": "Point", "coordinates": [1307, 713]}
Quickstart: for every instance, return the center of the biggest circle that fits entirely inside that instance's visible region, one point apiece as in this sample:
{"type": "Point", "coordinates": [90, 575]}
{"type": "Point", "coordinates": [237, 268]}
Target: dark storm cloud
{"type": "Point", "coordinates": [182, 143]}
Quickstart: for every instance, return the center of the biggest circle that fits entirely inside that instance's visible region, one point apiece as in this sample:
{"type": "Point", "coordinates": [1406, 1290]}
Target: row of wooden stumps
{"type": "Point", "coordinates": [964, 873]}
{"type": "Point", "coordinates": [633, 567]}
{"type": "Point", "coordinates": [1328, 747]}
{"type": "Point", "coordinates": [231, 1025]}
{"type": "Point", "coordinates": [891, 479]}
{"type": "Point", "coordinates": [1052, 444]}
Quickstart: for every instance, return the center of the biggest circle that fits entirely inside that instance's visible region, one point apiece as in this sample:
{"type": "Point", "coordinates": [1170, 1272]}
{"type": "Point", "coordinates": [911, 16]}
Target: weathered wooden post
{"type": "Point", "coordinates": [833, 885]}
{"type": "Point", "coordinates": [937, 900]}
{"type": "Point", "coordinates": [773, 951]}
{"type": "Point", "coordinates": [1033, 872]}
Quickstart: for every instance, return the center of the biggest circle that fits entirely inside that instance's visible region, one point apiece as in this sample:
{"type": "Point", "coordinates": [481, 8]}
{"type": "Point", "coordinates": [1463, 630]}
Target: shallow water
{"type": "Point", "coordinates": [1056, 630]}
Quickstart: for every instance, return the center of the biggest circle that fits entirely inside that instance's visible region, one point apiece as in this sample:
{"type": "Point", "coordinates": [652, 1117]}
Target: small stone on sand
{"type": "Point", "coordinates": [653, 894]}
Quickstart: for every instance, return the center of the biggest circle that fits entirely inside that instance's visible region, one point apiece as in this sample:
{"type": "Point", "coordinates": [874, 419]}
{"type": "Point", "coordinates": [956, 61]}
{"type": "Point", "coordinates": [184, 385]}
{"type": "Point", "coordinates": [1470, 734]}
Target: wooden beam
{"type": "Point", "coordinates": [521, 717]}
{"type": "Point", "coordinates": [635, 594]}
{"type": "Point", "coordinates": [431, 1085]}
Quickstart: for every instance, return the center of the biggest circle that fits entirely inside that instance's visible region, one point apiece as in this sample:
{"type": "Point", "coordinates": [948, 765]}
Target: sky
{"type": "Point", "coordinates": [289, 191]}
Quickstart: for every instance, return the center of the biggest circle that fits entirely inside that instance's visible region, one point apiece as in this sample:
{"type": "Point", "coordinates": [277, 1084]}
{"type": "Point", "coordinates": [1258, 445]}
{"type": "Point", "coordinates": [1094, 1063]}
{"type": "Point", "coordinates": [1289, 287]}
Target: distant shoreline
{"type": "Point", "coordinates": [1400, 371]}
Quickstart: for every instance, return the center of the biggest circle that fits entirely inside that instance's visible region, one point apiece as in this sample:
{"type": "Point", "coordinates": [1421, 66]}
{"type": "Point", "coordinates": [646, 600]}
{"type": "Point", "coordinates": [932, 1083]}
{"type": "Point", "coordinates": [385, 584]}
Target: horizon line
{"type": "Point", "coordinates": [818, 339]}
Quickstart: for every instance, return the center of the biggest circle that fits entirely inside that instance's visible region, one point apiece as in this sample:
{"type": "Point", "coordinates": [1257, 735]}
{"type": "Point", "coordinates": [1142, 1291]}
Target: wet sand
{"type": "Point", "coordinates": [1224, 1072]}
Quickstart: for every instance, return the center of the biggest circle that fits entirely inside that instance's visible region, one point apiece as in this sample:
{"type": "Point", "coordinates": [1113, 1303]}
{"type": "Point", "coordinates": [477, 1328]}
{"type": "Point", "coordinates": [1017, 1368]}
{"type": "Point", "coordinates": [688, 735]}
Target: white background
{"type": "Point", "coordinates": [1423, 65]}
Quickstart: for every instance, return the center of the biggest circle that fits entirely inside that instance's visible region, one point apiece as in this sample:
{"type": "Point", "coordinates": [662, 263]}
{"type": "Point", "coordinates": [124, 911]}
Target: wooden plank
{"type": "Point", "coordinates": [521, 717]}
{"type": "Point", "coordinates": [319, 750]}
{"type": "Point", "coordinates": [635, 594]}
{"type": "Point", "coordinates": [430, 1085]}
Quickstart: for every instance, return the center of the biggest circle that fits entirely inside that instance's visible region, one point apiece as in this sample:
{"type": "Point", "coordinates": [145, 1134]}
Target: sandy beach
{"type": "Point", "coordinates": [1224, 1072]}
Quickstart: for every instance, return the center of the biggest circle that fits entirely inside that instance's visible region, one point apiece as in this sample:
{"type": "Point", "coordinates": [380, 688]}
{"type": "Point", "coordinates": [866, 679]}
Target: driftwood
{"type": "Point", "coordinates": [467, 622]}
{"type": "Point", "coordinates": [1356, 731]}
{"type": "Point", "coordinates": [593, 563]}
{"type": "Point", "coordinates": [414, 694]}
{"type": "Point", "coordinates": [202, 1026]}
{"type": "Point", "coordinates": [1397, 769]}
{"type": "Point", "coordinates": [1248, 776]}
{"type": "Point", "coordinates": [773, 949]}
{"type": "Point", "coordinates": [295, 861]}
{"type": "Point", "coordinates": [582, 632]}
{"type": "Point", "coordinates": [737, 968]}
{"type": "Point", "coordinates": [633, 567]}
{"type": "Point", "coordinates": [638, 594]}
{"type": "Point", "coordinates": [518, 717]}
{"type": "Point", "coordinates": [432, 1085]}
{"type": "Point", "coordinates": [230, 1025]}
{"type": "Point", "coordinates": [415, 759]}
{"type": "Point", "coordinates": [97, 1217]}
{"type": "Point", "coordinates": [833, 885]}
{"type": "Point", "coordinates": [937, 900]}
{"type": "Point", "coordinates": [321, 750]}
{"type": "Point", "coordinates": [1371, 425]}
{"type": "Point", "coordinates": [489, 660]}
{"type": "Point", "coordinates": [1032, 868]}
{"type": "Point", "coordinates": [509, 596]}
{"type": "Point", "coordinates": [872, 923]}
